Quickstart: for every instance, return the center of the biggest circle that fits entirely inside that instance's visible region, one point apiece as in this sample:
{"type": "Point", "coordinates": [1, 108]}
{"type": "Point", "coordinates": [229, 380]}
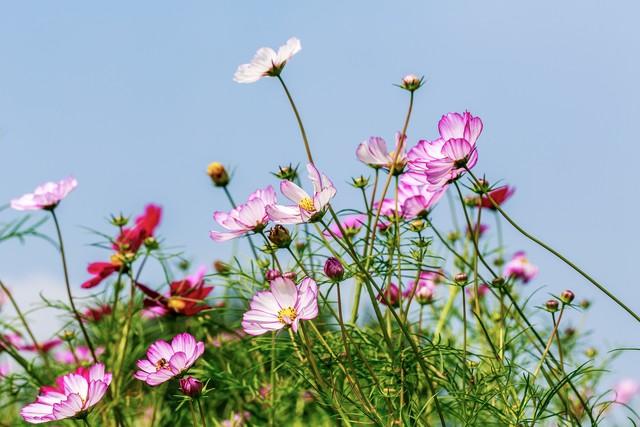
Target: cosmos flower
{"type": "Point", "coordinates": [307, 208]}
{"type": "Point", "coordinates": [95, 314]}
{"type": "Point", "coordinates": [284, 304]}
{"type": "Point", "coordinates": [374, 153]}
{"type": "Point", "coordinates": [5, 369]}
{"type": "Point", "coordinates": [625, 390]}
{"type": "Point", "coordinates": [267, 62]}
{"type": "Point", "coordinates": [72, 397]}
{"type": "Point", "coordinates": [499, 195]}
{"type": "Point", "coordinates": [82, 355]}
{"type": "Point", "coordinates": [520, 268]}
{"type": "Point", "coordinates": [246, 218]}
{"type": "Point", "coordinates": [425, 289]}
{"type": "Point", "coordinates": [165, 361]}
{"type": "Point", "coordinates": [480, 230]}
{"type": "Point", "coordinates": [439, 162]}
{"type": "Point", "coordinates": [45, 196]}
{"type": "Point", "coordinates": [44, 346]}
{"type": "Point", "coordinates": [413, 200]}
{"type": "Point", "coordinates": [184, 297]}
{"type": "Point", "coordinates": [390, 295]}
{"type": "Point", "coordinates": [351, 225]}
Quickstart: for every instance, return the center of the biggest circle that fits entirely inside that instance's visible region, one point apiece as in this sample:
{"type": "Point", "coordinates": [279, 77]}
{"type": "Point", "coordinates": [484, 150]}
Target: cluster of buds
{"type": "Point", "coordinates": [218, 174]}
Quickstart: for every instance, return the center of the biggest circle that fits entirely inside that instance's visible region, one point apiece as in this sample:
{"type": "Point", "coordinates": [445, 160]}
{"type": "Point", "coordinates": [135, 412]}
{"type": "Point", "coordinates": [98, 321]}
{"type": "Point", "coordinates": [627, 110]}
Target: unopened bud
{"type": "Point", "coordinates": [184, 264]}
{"type": "Point", "coordinates": [461, 278]}
{"type": "Point", "coordinates": [497, 282]}
{"type": "Point", "coordinates": [151, 243]}
{"type": "Point", "coordinates": [218, 174]}
{"type": "Point", "coordinates": [190, 386]}
{"type": "Point", "coordinates": [221, 267]}
{"type": "Point", "coordinates": [360, 181]}
{"type": "Point", "coordinates": [498, 262]}
{"type": "Point", "coordinates": [411, 82]}
{"type": "Point", "coordinates": [591, 352]}
{"type": "Point", "coordinates": [567, 296]}
{"type": "Point", "coordinates": [585, 304]}
{"type": "Point", "coordinates": [280, 236]}
{"type": "Point", "coordinates": [333, 269]}
{"type": "Point", "coordinates": [67, 335]}
{"type": "Point", "coordinates": [390, 296]}
{"type": "Point", "coordinates": [453, 236]}
{"type": "Point", "coordinates": [551, 306]}
{"type": "Point", "coordinates": [119, 220]}
{"type": "Point", "coordinates": [288, 173]}
{"type": "Point", "coordinates": [300, 245]}
{"type": "Point", "coordinates": [417, 225]}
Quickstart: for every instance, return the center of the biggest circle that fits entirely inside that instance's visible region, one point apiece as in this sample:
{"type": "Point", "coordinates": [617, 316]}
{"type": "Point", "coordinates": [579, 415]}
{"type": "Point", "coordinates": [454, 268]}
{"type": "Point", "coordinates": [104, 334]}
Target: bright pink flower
{"type": "Point", "coordinates": [413, 200]}
{"type": "Point", "coordinates": [439, 162]}
{"type": "Point", "coordinates": [190, 386]}
{"type": "Point", "coordinates": [5, 369]}
{"type": "Point", "coordinates": [351, 225]}
{"type": "Point", "coordinates": [72, 396]}
{"type": "Point", "coordinates": [426, 288]}
{"type": "Point", "coordinates": [45, 196]}
{"type": "Point", "coordinates": [44, 346]}
{"type": "Point", "coordinates": [307, 208]}
{"type": "Point", "coordinates": [82, 355]}
{"type": "Point", "coordinates": [12, 339]}
{"type": "Point", "coordinates": [267, 62]}
{"type": "Point", "coordinates": [166, 361]}
{"type": "Point", "coordinates": [390, 295]}
{"type": "Point", "coordinates": [374, 153]}
{"type": "Point", "coordinates": [284, 304]}
{"type": "Point", "coordinates": [520, 268]}
{"type": "Point", "coordinates": [625, 390]}
{"type": "Point", "coordinates": [499, 195]}
{"type": "Point", "coordinates": [246, 218]}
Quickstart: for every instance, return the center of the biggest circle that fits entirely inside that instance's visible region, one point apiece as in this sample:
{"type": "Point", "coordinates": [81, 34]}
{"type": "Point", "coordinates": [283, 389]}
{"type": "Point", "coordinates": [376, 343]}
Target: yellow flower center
{"type": "Point", "coordinates": [162, 363]}
{"type": "Point", "coordinates": [287, 315]}
{"type": "Point", "coordinates": [307, 204]}
{"type": "Point", "coordinates": [176, 303]}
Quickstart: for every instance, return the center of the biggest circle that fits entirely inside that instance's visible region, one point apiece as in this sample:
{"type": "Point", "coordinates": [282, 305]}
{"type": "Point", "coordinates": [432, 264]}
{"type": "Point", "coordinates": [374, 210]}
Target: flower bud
{"type": "Point", "coordinates": [591, 352]}
{"type": "Point", "coordinates": [288, 173]}
{"type": "Point", "coordinates": [360, 181]}
{"type": "Point", "coordinates": [280, 236]}
{"type": "Point", "coordinates": [218, 174]}
{"type": "Point", "coordinates": [417, 225]}
{"type": "Point", "coordinates": [221, 267]}
{"type": "Point", "coordinates": [390, 296]}
{"type": "Point", "coordinates": [119, 220]}
{"type": "Point", "coordinates": [67, 335]}
{"type": "Point", "coordinates": [497, 282]}
{"type": "Point", "coordinates": [567, 296]}
{"type": "Point", "coordinates": [190, 386]}
{"type": "Point", "coordinates": [551, 306]}
{"type": "Point", "coordinates": [498, 262]}
{"type": "Point", "coordinates": [411, 82]}
{"type": "Point", "coordinates": [151, 243]}
{"type": "Point", "coordinates": [453, 236]}
{"type": "Point", "coordinates": [272, 274]}
{"type": "Point", "coordinates": [333, 269]}
{"type": "Point", "coordinates": [585, 304]}
{"type": "Point", "coordinates": [461, 278]}
{"type": "Point", "coordinates": [301, 246]}
{"type": "Point", "coordinates": [184, 264]}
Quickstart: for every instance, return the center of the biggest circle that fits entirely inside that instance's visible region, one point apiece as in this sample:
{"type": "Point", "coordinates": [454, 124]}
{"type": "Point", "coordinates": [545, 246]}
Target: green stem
{"type": "Point", "coordinates": [203, 418]}
{"type": "Point", "coordinates": [297, 114]}
{"type": "Point", "coordinates": [272, 375]}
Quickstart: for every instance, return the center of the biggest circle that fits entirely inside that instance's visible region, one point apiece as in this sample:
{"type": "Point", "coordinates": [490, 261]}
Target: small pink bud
{"type": "Point", "coordinates": [190, 386]}
{"type": "Point", "coordinates": [411, 82]}
{"type": "Point", "coordinates": [333, 269]}
{"type": "Point", "coordinates": [390, 296]}
{"type": "Point", "coordinates": [551, 305]}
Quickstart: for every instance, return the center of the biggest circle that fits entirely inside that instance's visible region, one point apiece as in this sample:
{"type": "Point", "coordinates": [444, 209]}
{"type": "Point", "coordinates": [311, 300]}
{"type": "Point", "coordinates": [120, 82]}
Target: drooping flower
{"type": "Point", "coordinates": [82, 355]}
{"type": "Point", "coordinates": [72, 397]}
{"type": "Point", "coordinates": [267, 62]}
{"type": "Point", "coordinates": [284, 304]}
{"type": "Point", "coordinates": [374, 152]}
{"type": "Point", "coordinates": [246, 218]}
{"type": "Point", "coordinates": [351, 224]}
{"type": "Point", "coordinates": [499, 195]}
{"type": "Point", "coordinates": [184, 298]}
{"type": "Point", "coordinates": [439, 162]}
{"type": "Point", "coordinates": [126, 246]}
{"type": "Point", "coordinates": [625, 390]}
{"type": "Point", "coordinates": [390, 295]}
{"type": "Point", "coordinates": [165, 361]}
{"type": "Point", "coordinates": [520, 268]}
{"type": "Point", "coordinates": [425, 289]}
{"type": "Point", "coordinates": [45, 196]}
{"type": "Point", "coordinates": [307, 208]}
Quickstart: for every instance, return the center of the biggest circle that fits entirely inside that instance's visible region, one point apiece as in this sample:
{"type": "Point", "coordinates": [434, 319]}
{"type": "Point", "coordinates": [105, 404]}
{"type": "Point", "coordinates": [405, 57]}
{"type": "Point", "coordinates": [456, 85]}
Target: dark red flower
{"type": "Point", "coordinates": [95, 314]}
{"type": "Point", "coordinates": [185, 298]}
{"type": "Point", "coordinates": [499, 195]}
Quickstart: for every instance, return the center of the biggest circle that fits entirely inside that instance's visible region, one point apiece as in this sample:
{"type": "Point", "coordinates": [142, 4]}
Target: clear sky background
{"type": "Point", "coordinates": [136, 98]}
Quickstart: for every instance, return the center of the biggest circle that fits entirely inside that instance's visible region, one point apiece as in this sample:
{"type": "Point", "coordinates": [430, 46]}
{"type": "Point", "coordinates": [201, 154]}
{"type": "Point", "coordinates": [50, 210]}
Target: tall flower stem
{"type": "Point", "coordinates": [557, 254]}
{"type": "Point", "coordinates": [233, 205]}
{"type": "Point", "coordinates": [549, 343]}
{"type": "Point", "coordinates": [272, 377]}
{"type": "Point", "coordinates": [68, 284]}
{"type": "Point", "coordinates": [298, 118]}
{"type": "Point", "coordinates": [203, 418]}
{"type": "Point", "coordinates": [194, 416]}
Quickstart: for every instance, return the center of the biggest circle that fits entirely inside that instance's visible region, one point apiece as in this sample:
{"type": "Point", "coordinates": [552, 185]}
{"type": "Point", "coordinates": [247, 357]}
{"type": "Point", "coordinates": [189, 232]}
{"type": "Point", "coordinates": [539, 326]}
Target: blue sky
{"type": "Point", "coordinates": [135, 98]}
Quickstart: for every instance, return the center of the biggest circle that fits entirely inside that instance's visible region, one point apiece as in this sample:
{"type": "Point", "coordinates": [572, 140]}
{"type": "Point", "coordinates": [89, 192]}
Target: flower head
{"type": "Point", "coordinates": [424, 290]}
{"type": "Point", "coordinates": [307, 208]}
{"type": "Point", "coordinates": [82, 355]}
{"type": "Point", "coordinates": [390, 295]}
{"type": "Point", "coordinates": [247, 217]}
{"type": "Point", "coordinates": [267, 62]}
{"type": "Point", "coordinates": [498, 195]}
{"type": "Point", "coordinates": [95, 314]}
{"type": "Point", "coordinates": [45, 196]}
{"type": "Point", "coordinates": [439, 162]}
{"type": "Point", "coordinates": [284, 304]}
{"type": "Point", "coordinates": [218, 174]}
{"type": "Point", "coordinates": [165, 361]}
{"type": "Point", "coordinates": [72, 396]}
{"type": "Point", "coordinates": [413, 200]}
{"type": "Point", "coordinates": [351, 224]}
{"type": "Point", "coordinates": [374, 153]}
{"type": "Point", "coordinates": [625, 390]}
{"type": "Point", "coordinates": [43, 346]}
{"type": "Point", "coordinates": [520, 268]}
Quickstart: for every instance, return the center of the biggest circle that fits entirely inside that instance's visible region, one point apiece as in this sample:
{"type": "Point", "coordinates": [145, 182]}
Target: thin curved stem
{"type": "Point", "coordinates": [298, 118]}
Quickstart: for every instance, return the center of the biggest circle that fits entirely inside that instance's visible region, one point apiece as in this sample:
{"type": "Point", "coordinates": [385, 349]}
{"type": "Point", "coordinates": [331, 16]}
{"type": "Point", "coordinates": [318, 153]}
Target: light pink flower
{"type": "Point", "coordinates": [246, 218]}
{"type": "Point", "coordinates": [439, 162]}
{"type": "Point", "coordinates": [413, 200]}
{"type": "Point", "coordinates": [351, 224]}
{"type": "Point", "coordinates": [73, 395]}
{"type": "Point", "coordinates": [165, 361]}
{"type": "Point", "coordinates": [45, 196]}
{"type": "Point", "coordinates": [284, 304]}
{"type": "Point", "coordinates": [374, 153]}
{"type": "Point", "coordinates": [520, 268]}
{"type": "Point", "coordinates": [5, 369]}
{"type": "Point", "coordinates": [267, 62]}
{"type": "Point", "coordinates": [82, 354]}
{"type": "Point", "coordinates": [625, 390]}
{"type": "Point", "coordinates": [307, 208]}
{"type": "Point", "coordinates": [425, 289]}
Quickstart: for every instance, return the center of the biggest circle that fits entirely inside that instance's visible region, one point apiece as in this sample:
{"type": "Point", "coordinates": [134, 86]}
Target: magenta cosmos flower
{"type": "Point", "coordinates": [246, 218]}
{"type": "Point", "coordinates": [165, 361]}
{"type": "Point", "coordinates": [72, 396]}
{"type": "Point", "coordinates": [351, 224]}
{"type": "Point", "coordinates": [267, 62]}
{"type": "Point", "coordinates": [307, 208]}
{"type": "Point", "coordinates": [284, 304]}
{"type": "Point", "coordinates": [45, 196]}
{"type": "Point", "coordinates": [439, 162]}
{"type": "Point", "coordinates": [413, 200]}
{"type": "Point", "coordinates": [374, 153]}
{"type": "Point", "coordinates": [520, 268]}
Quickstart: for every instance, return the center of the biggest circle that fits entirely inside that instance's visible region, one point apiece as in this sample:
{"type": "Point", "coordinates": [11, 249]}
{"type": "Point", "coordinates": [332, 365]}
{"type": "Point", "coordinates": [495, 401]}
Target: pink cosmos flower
{"type": "Point", "coordinates": [350, 223]}
{"type": "Point", "coordinates": [520, 268]}
{"type": "Point", "coordinates": [72, 396]}
{"type": "Point", "coordinates": [413, 200]}
{"type": "Point", "coordinates": [165, 361]}
{"type": "Point", "coordinates": [480, 230]}
{"type": "Point", "coordinates": [625, 390]}
{"type": "Point", "coordinates": [246, 218]}
{"type": "Point", "coordinates": [307, 208]}
{"type": "Point", "coordinates": [45, 346]}
{"type": "Point", "coordinates": [374, 153]}
{"type": "Point", "coordinates": [5, 369]}
{"type": "Point", "coordinates": [284, 304]}
{"type": "Point", "coordinates": [82, 355]}
{"type": "Point", "coordinates": [45, 196]}
{"type": "Point", "coordinates": [390, 295]}
{"type": "Point", "coordinates": [425, 290]}
{"type": "Point", "coordinates": [498, 195]}
{"type": "Point", "coordinates": [267, 62]}
{"type": "Point", "coordinates": [439, 162]}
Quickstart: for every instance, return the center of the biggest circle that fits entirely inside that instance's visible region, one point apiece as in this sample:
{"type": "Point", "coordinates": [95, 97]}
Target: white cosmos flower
{"type": "Point", "coordinates": [267, 62]}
